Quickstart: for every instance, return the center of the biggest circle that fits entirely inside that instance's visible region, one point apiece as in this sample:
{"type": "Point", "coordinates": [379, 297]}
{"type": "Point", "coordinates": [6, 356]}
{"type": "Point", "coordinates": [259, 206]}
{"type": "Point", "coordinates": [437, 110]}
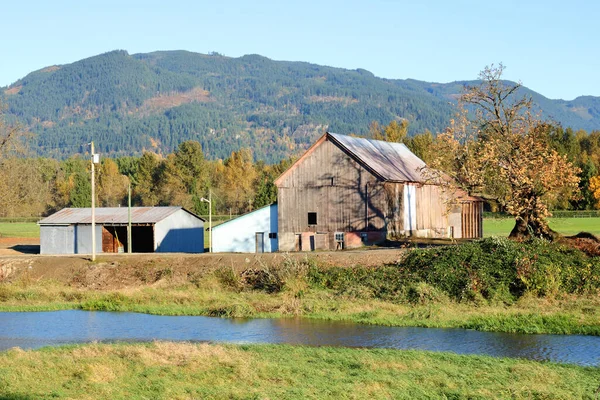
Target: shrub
{"type": "Point", "coordinates": [499, 268]}
{"type": "Point", "coordinates": [422, 293]}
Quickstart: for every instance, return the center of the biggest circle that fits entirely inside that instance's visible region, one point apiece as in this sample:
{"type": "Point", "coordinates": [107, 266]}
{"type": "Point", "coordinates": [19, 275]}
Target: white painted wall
{"type": "Point", "coordinates": [239, 235]}
{"type": "Point", "coordinates": [180, 232]}
{"type": "Point", "coordinates": [410, 209]}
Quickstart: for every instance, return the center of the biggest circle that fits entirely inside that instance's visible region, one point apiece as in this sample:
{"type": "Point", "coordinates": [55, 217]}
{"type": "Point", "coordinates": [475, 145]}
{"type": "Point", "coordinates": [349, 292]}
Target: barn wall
{"type": "Point", "coordinates": [180, 232]}
{"type": "Point", "coordinates": [239, 234]}
{"type": "Point", "coordinates": [455, 221]}
{"type": "Point", "coordinates": [83, 239]}
{"type": "Point", "coordinates": [472, 219]}
{"type": "Point", "coordinates": [432, 211]}
{"type": "Point", "coordinates": [345, 196]}
{"type": "Point", "coordinates": [57, 239]}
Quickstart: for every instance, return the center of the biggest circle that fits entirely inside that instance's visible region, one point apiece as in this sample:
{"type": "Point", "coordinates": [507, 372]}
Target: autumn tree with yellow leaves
{"type": "Point", "coordinates": [497, 148]}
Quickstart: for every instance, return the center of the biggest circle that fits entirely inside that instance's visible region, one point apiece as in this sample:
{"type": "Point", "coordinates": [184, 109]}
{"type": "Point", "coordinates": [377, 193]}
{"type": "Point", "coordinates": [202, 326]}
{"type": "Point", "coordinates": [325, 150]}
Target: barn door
{"type": "Point", "coordinates": [260, 242]}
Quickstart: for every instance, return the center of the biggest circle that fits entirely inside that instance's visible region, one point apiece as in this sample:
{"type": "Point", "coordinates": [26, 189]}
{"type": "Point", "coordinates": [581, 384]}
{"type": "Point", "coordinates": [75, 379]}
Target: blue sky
{"type": "Point", "coordinates": [552, 47]}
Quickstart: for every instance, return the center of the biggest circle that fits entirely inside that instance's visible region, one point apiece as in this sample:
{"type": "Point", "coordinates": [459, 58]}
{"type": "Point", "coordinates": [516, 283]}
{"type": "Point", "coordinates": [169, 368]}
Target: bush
{"type": "Point", "coordinates": [499, 268]}
{"type": "Point", "coordinates": [491, 269]}
{"type": "Point", "coordinates": [423, 294]}
{"type": "Point", "coordinates": [274, 279]}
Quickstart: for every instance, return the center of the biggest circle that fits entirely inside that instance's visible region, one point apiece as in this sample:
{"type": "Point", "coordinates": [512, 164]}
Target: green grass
{"type": "Point", "coordinates": [566, 226]}
{"type": "Point", "coordinates": [165, 370]}
{"type": "Point", "coordinates": [491, 227]}
{"type": "Point", "coordinates": [19, 229]}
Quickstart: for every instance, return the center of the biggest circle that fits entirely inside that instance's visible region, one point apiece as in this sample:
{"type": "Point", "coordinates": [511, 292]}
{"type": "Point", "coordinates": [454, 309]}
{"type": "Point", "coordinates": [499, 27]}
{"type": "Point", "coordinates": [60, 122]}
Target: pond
{"type": "Point", "coordinates": [38, 329]}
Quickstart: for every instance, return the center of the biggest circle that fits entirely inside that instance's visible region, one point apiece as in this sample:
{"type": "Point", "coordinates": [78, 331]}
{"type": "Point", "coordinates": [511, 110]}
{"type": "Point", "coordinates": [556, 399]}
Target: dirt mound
{"type": "Point", "coordinates": [585, 242]}
{"type": "Point", "coordinates": [124, 270]}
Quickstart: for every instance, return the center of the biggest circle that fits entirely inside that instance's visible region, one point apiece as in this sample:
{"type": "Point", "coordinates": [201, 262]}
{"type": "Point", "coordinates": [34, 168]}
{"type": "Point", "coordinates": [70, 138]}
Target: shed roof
{"type": "Point", "coordinates": [236, 219]}
{"type": "Point", "coordinates": [111, 215]}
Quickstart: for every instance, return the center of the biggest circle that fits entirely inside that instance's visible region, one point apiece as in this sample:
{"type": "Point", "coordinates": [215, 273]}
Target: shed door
{"type": "Point", "coordinates": [260, 242]}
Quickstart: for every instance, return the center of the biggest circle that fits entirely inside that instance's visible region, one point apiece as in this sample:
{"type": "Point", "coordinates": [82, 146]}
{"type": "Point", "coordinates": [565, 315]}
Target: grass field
{"type": "Point", "coordinates": [566, 226]}
{"type": "Point", "coordinates": [165, 370]}
{"type": "Point", "coordinates": [491, 227]}
{"type": "Point", "coordinates": [19, 229]}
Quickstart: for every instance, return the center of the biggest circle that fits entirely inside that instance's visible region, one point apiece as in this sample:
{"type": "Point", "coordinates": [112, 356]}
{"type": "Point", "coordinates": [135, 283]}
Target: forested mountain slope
{"type": "Point", "coordinates": [130, 103]}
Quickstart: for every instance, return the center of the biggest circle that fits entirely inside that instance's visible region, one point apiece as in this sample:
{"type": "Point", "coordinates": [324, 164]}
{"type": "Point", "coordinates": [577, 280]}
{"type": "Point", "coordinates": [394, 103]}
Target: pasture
{"type": "Point", "coordinates": [491, 227]}
{"type": "Point", "coordinates": [19, 230]}
{"type": "Point", "coordinates": [566, 226]}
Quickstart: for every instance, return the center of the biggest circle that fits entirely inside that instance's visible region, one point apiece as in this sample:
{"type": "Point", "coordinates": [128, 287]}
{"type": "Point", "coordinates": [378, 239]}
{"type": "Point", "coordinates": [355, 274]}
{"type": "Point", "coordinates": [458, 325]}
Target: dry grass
{"type": "Point", "coordinates": [164, 370]}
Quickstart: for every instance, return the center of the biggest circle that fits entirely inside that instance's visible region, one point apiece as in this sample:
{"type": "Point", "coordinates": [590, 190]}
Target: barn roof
{"type": "Point", "coordinates": [392, 162]}
{"type": "Point", "coordinates": [111, 215]}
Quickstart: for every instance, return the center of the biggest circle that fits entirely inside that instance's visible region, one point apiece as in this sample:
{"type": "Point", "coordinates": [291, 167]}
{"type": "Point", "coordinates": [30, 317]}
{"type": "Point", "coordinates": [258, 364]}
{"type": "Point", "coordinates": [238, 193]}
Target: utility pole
{"type": "Point", "coordinates": [209, 201]}
{"type": "Point", "coordinates": [129, 245]}
{"type": "Point", "coordinates": [93, 204]}
{"type": "Point", "coordinates": [210, 219]}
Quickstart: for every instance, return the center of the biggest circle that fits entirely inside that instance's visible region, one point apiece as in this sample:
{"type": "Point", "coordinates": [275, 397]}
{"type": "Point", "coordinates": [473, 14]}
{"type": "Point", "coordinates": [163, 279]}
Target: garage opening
{"type": "Point", "coordinates": [142, 238]}
{"type": "Point", "coordinates": [114, 239]}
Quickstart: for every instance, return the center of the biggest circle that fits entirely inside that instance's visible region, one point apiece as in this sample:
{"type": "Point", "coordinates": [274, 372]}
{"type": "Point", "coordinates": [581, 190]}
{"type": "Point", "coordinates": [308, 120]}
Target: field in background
{"type": "Point", "coordinates": [491, 227]}
{"type": "Point", "coordinates": [19, 230]}
{"type": "Point", "coordinates": [566, 226]}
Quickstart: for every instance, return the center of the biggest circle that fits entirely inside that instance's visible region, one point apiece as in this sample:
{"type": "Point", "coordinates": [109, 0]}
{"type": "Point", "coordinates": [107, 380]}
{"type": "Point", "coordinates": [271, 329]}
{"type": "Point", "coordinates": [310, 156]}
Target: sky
{"type": "Point", "coordinates": [552, 47]}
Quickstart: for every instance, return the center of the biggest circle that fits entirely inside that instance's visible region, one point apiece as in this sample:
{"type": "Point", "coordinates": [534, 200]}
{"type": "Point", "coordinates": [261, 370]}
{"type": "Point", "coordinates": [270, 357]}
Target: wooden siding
{"type": "Point", "coordinates": [432, 210]}
{"type": "Point", "coordinates": [472, 219]}
{"type": "Point", "coordinates": [345, 196]}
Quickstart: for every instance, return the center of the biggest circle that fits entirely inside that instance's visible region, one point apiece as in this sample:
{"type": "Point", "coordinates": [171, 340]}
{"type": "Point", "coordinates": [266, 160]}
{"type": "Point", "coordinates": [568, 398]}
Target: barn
{"type": "Point", "coordinates": [153, 229]}
{"type": "Point", "coordinates": [347, 191]}
{"type": "Point", "coordinates": [254, 232]}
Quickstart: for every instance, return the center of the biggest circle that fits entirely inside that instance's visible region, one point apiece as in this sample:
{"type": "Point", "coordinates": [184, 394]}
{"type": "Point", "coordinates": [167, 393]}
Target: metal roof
{"type": "Point", "coordinates": [111, 215]}
{"type": "Point", "coordinates": [391, 161]}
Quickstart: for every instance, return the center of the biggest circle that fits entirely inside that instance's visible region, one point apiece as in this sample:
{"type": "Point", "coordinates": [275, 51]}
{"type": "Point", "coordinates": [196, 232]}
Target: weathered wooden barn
{"type": "Point", "coordinates": [347, 191]}
{"type": "Point", "coordinates": [153, 229]}
{"type": "Point", "coordinates": [254, 232]}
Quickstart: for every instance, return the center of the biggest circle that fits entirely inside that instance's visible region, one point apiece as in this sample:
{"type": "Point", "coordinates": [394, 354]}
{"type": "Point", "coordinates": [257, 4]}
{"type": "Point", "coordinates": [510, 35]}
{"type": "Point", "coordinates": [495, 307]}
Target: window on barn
{"type": "Point", "coordinates": [312, 218]}
{"type": "Point", "coordinates": [272, 235]}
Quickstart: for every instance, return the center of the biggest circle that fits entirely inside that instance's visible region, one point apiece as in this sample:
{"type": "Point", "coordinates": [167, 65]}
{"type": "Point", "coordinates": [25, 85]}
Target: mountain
{"type": "Point", "coordinates": [130, 103]}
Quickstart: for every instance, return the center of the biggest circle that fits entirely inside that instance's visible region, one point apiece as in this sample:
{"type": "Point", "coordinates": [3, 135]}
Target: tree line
{"type": "Point", "coordinates": [40, 186]}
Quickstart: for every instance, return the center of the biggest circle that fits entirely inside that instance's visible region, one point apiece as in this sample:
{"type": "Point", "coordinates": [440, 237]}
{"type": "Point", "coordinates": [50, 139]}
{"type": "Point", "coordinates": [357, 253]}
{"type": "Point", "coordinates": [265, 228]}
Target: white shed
{"type": "Point", "coordinates": [254, 232]}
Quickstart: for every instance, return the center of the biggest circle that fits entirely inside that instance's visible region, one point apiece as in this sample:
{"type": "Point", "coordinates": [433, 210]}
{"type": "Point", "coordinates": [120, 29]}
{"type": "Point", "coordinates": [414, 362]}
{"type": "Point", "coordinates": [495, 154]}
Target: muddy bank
{"type": "Point", "coordinates": [123, 270]}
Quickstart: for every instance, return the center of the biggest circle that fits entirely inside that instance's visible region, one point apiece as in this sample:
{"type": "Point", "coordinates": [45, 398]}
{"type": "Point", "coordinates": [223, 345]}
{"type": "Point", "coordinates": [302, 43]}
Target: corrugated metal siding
{"type": "Point", "coordinates": [180, 232]}
{"type": "Point", "coordinates": [83, 239]}
{"type": "Point", "coordinates": [110, 215]}
{"type": "Point", "coordinates": [57, 239]}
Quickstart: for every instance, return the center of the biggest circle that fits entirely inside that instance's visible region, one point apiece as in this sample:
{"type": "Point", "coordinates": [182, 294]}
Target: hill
{"type": "Point", "coordinates": [130, 103]}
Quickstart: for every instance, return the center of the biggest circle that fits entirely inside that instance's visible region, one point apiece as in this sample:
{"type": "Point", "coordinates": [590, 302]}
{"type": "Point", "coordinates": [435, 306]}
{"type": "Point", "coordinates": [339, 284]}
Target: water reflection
{"type": "Point", "coordinates": [32, 330]}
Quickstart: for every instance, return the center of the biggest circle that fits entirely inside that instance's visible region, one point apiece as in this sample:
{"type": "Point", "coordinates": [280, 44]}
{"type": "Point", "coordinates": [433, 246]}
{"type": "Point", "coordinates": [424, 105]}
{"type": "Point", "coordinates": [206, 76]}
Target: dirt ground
{"type": "Point", "coordinates": [15, 246]}
{"type": "Point", "coordinates": [117, 271]}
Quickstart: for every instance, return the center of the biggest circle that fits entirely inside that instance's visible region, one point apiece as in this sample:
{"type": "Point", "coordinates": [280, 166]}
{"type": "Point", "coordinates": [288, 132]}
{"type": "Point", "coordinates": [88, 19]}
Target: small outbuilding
{"type": "Point", "coordinates": [153, 229]}
{"type": "Point", "coordinates": [254, 232]}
